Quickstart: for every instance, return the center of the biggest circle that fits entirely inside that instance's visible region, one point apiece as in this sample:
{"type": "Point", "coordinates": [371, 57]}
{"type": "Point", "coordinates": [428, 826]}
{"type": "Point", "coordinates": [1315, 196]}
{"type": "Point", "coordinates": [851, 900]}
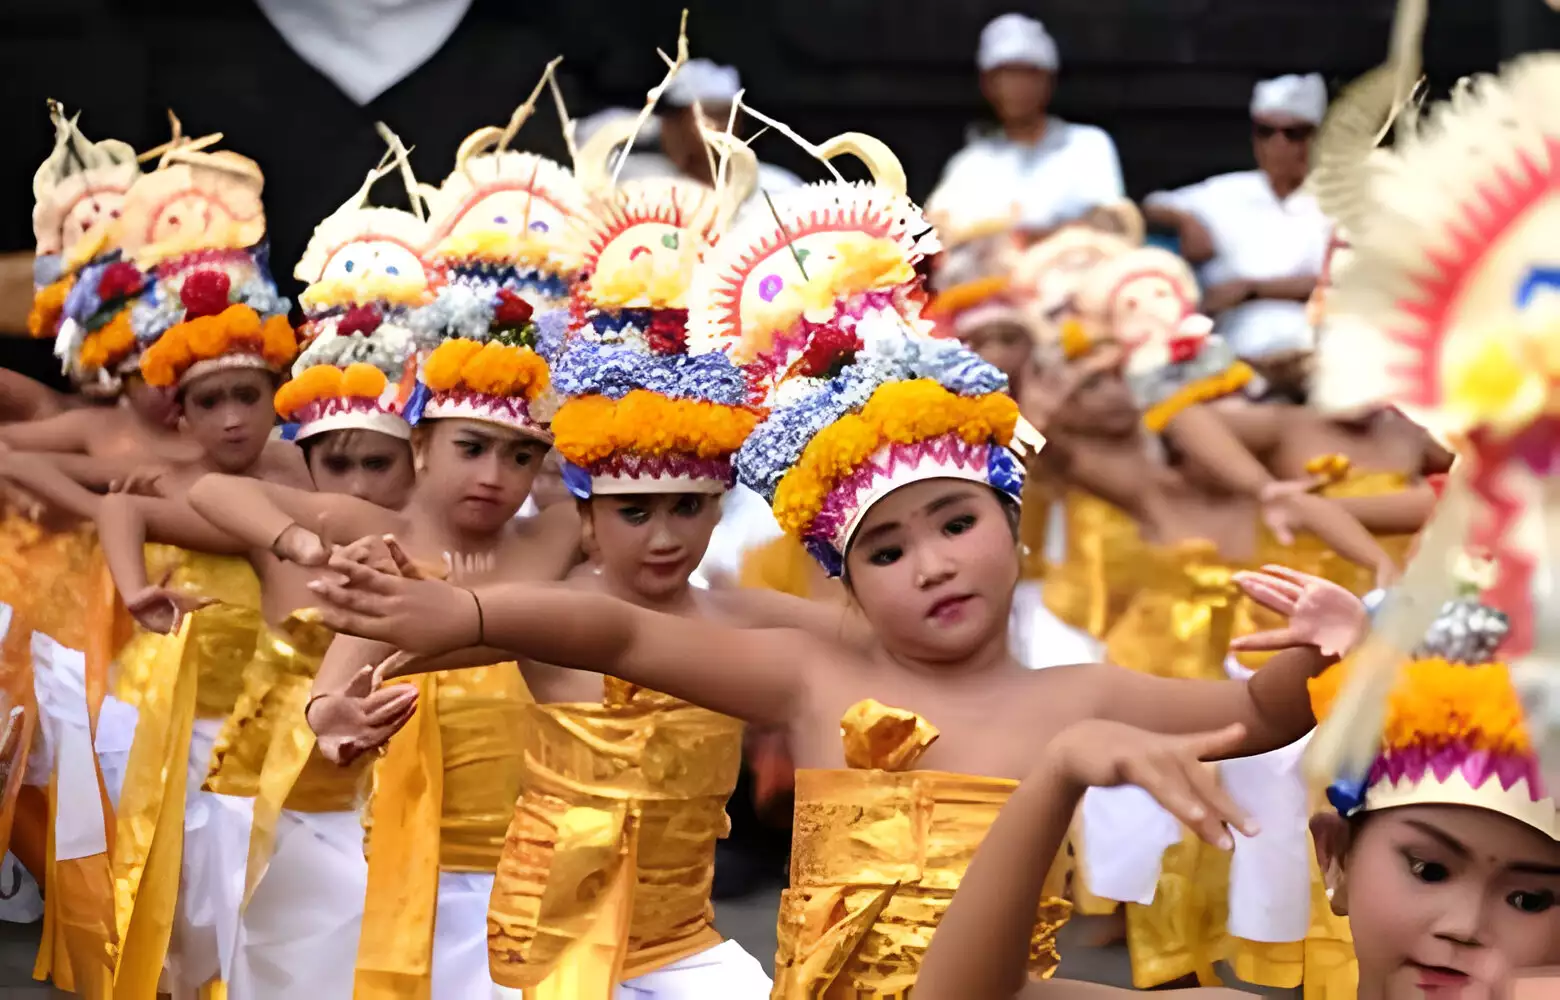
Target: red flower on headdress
{"type": "Point", "coordinates": [512, 312]}
{"type": "Point", "coordinates": [359, 319]}
{"type": "Point", "coordinates": [205, 293]}
{"type": "Point", "coordinates": [1183, 349]}
{"type": "Point", "coordinates": [668, 333]}
{"type": "Point", "coordinates": [830, 349]}
{"type": "Point", "coordinates": [120, 280]}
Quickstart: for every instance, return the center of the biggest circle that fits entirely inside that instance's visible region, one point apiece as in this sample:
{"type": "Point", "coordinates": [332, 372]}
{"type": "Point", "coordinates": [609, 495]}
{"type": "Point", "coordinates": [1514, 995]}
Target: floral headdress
{"type": "Point", "coordinates": [642, 413]}
{"type": "Point", "coordinates": [1049, 273]}
{"type": "Point", "coordinates": [821, 297]}
{"type": "Point", "coordinates": [506, 224]}
{"type": "Point", "coordinates": [78, 192]}
{"type": "Point", "coordinates": [1147, 301]}
{"type": "Point", "coordinates": [195, 273]}
{"type": "Point", "coordinates": [1448, 284]}
{"type": "Point", "coordinates": [359, 367]}
{"type": "Point", "coordinates": [1455, 731]}
{"type": "Point", "coordinates": [973, 287]}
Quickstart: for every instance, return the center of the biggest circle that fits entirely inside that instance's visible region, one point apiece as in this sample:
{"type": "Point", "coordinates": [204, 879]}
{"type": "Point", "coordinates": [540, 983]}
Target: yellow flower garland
{"type": "Point", "coordinates": [588, 429]}
{"type": "Point", "coordinates": [368, 289]}
{"type": "Point", "coordinates": [47, 305]}
{"type": "Point", "coordinates": [1440, 702]}
{"type": "Point", "coordinates": [897, 413]}
{"type": "Point", "coordinates": [109, 344]}
{"type": "Point", "coordinates": [1231, 380]}
{"type": "Point", "coordinates": [236, 329]}
{"type": "Point", "coordinates": [357, 381]}
{"type": "Point", "coordinates": [492, 369]}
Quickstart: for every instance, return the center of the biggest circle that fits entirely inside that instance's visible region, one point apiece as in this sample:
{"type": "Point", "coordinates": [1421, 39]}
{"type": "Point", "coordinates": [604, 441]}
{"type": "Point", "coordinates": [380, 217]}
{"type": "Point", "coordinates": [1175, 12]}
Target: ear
{"type": "Point", "coordinates": [587, 527]}
{"type": "Point", "coordinates": [419, 444]}
{"type": "Point", "coordinates": [1332, 835]}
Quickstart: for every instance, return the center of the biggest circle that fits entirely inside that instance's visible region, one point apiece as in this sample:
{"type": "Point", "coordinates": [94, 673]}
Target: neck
{"type": "Point", "coordinates": [991, 656]}
{"type": "Point", "coordinates": [1283, 187]}
{"type": "Point", "coordinates": [433, 525]}
{"type": "Point", "coordinates": [1026, 130]}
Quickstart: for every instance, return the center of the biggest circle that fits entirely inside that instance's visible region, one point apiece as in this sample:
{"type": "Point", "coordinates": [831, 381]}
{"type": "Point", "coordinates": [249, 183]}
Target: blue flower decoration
{"type": "Point", "coordinates": [1347, 795]}
{"type": "Point", "coordinates": [827, 556]}
{"type": "Point", "coordinates": [416, 403]}
{"type": "Point", "coordinates": [1003, 471]}
{"type": "Point", "coordinates": [615, 370]}
{"type": "Point", "coordinates": [47, 269]}
{"type": "Point", "coordinates": [289, 432]}
{"type": "Point", "coordinates": [575, 479]}
{"type": "Point", "coordinates": [82, 301]}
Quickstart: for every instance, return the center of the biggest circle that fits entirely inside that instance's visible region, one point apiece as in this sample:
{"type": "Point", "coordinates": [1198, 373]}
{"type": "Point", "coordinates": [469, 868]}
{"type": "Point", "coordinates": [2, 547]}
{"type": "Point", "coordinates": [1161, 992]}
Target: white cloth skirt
{"type": "Point", "coordinates": [460, 956]}
{"type": "Point", "coordinates": [724, 972]}
{"type": "Point", "coordinates": [299, 934]}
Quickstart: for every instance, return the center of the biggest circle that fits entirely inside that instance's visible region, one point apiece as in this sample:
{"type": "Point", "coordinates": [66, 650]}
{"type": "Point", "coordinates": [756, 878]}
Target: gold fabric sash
{"type": "Point", "coordinates": [1090, 588]}
{"type": "Point", "coordinates": [609, 860]}
{"type": "Point", "coordinates": [1180, 622]}
{"type": "Point", "coordinates": [876, 857]}
{"type": "Point", "coordinates": [148, 849]}
{"type": "Point", "coordinates": [440, 779]}
{"type": "Point", "coordinates": [266, 749]}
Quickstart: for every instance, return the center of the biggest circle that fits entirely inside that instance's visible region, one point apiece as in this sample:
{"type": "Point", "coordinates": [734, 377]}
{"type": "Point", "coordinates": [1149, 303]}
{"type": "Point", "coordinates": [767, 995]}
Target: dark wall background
{"type": "Point", "coordinates": [1169, 78]}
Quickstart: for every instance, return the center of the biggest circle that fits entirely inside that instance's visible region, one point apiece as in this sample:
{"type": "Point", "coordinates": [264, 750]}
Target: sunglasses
{"type": "Point", "coordinates": [1293, 133]}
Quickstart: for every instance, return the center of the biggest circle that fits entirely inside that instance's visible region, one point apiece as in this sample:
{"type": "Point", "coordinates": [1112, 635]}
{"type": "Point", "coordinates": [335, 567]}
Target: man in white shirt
{"type": "Point", "coordinates": [1040, 171]}
{"type": "Point", "coordinates": [712, 89]}
{"type": "Point", "coordinates": [1259, 237]}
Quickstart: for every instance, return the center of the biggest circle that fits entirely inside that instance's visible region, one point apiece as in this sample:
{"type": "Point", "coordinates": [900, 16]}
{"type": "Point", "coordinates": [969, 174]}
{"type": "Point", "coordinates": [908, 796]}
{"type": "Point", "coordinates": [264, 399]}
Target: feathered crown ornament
{"type": "Point", "coordinates": [366, 280]}
{"type": "Point", "coordinates": [192, 291]}
{"type": "Point", "coordinates": [1455, 731]}
{"type": "Point", "coordinates": [642, 412]}
{"type": "Point", "coordinates": [510, 229]}
{"type": "Point", "coordinates": [1147, 301]}
{"type": "Point", "coordinates": [78, 193]}
{"type": "Point", "coordinates": [820, 296]}
{"type": "Point", "coordinates": [1449, 285]}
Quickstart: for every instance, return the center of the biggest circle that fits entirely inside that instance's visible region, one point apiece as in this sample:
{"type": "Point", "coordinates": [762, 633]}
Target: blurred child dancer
{"type": "Point", "coordinates": [885, 452]}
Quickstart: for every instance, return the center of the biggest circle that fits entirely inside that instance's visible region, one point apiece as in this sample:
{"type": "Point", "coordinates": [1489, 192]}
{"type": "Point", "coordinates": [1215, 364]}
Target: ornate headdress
{"type": "Point", "coordinates": [78, 193]}
{"type": "Point", "coordinates": [1147, 300]}
{"type": "Point", "coordinates": [1455, 731]}
{"type": "Point", "coordinates": [822, 297]}
{"type": "Point", "coordinates": [192, 233]}
{"type": "Point", "coordinates": [973, 287]}
{"type": "Point", "coordinates": [1049, 274]}
{"type": "Point", "coordinates": [506, 224]}
{"type": "Point", "coordinates": [366, 276]}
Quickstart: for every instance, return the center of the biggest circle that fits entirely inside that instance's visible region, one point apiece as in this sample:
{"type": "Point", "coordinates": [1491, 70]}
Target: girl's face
{"type": "Point", "coordinates": [1442, 897]}
{"type": "Point", "coordinates": [933, 567]}
{"type": "Point", "coordinates": [229, 415]}
{"type": "Point", "coordinates": [651, 542]}
{"type": "Point", "coordinates": [157, 407]}
{"type": "Point", "coordinates": [365, 464]}
{"type": "Point", "coordinates": [479, 473]}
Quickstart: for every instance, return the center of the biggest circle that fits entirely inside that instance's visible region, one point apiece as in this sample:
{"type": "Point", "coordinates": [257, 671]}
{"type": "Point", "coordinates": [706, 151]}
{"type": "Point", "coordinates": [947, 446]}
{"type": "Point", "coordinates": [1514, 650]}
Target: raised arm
{"type": "Point", "coordinates": [981, 948]}
{"type": "Point", "coordinates": [260, 512]}
{"type": "Point", "coordinates": [65, 432]}
{"type": "Point", "coordinates": [757, 675]}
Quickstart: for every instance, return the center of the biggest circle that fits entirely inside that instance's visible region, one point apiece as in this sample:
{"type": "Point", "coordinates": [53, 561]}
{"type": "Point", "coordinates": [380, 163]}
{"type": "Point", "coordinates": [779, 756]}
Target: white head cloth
{"type": "Point", "coordinates": [588, 126]}
{"type": "Point", "coordinates": [1016, 40]}
{"type": "Point", "coordinates": [703, 81]}
{"type": "Point", "coordinates": [1302, 97]}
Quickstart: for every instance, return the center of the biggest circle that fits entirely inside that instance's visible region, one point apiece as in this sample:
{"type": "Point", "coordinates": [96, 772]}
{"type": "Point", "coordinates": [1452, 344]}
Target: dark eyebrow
{"type": "Point", "coordinates": [1447, 840]}
{"type": "Point", "coordinates": [878, 531]}
{"type": "Point", "coordinates": [947, 500]}
{"type": "Point", "coordinates": [1534, 868]}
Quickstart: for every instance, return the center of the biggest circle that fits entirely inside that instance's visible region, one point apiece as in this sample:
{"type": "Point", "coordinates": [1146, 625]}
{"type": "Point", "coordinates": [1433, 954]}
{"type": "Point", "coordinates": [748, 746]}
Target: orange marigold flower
{"type": "Point", "coordinates": [442, 370]}
{"type": "Point", "coordinates": [44, 316]}
{"type": "Point", "coordinates": [363, 381]}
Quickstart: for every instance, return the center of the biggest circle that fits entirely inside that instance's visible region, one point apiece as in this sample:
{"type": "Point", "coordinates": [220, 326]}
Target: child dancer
{"type": "Point", "coordinates": [1445, 858]}
{"type": "Point", "coordinates": [885, 453]}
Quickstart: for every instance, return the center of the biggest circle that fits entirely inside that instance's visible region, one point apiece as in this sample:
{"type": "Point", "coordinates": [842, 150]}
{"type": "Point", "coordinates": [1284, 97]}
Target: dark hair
{"type": "Point", "coordinates": [334, 442]}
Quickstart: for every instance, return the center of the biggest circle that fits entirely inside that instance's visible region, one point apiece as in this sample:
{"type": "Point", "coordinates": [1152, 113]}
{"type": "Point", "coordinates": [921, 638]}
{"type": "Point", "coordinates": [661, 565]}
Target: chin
{"type": "Point", "coordinates": [659, 585]}
{"type": "Point", "coordinates": [481, 524]}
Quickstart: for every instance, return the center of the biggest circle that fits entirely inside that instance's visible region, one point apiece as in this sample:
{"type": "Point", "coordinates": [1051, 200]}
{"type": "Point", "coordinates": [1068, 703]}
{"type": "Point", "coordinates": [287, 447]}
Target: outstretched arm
{"type": "Point", "coordinates": [1206, 438]}
{"type": "Point", "coordinates": [41, 476]}
{"type": "Point", "coordinates": [65, 432]}
{"type": "Point", "coordinates": [1342, 532]}
{"type": "Point", "coordinates": [1400, 513]}
{"type": "Point", "coordinates": [126, 523]}
{"type": "Point", "coordinates": [981, 948]}
{"type": "Point", "coordinates": [260, 512]}
{"type": "Point", "coordinates": [757, 675]}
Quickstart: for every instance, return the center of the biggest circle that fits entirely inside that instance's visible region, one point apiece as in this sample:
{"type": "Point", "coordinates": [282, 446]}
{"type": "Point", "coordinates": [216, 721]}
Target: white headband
{"type": "Point", "coordinates": [702, 81]}
{"type": "Point", "coordinates": [1302, 97]}
{"type": "Point", "coordinates": [1016, 40]}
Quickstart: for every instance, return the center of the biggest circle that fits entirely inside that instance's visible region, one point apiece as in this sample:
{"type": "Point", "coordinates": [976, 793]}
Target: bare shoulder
{"type": "Point", "coordinates": [282, 462]}
{"type": "Point", "coordinates": [748, 607]}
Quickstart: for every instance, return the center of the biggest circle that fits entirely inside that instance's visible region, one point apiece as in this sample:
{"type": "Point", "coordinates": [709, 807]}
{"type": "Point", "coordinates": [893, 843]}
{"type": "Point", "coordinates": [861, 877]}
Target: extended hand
{"type": "Point", "coordinates": [298, 544]}
{"type": "Point", "coordinates": [144, 482]}
{"type": "Point", "coordinates": [359, 719]}
{"type": "Point", "coordinates": [159, 608]}
{"type": "Point", "coordinates": [1280, 512]}
{"type": "Point", "coordinates": [1320, 613]}
{"type": "Point", "coordinates": [415, 615]}
{"type": "Point", "coordinates": [1103, 754]}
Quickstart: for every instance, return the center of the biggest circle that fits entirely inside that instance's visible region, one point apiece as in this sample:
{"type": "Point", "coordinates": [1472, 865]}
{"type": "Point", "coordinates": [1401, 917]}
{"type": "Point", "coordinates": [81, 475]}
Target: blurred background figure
{"type": "Point", "coordinates": [1258, 235]}
{"type": "Point", "coordinates": [1039, 170]}
{"type": "Point", "coordinates": [700, 86]}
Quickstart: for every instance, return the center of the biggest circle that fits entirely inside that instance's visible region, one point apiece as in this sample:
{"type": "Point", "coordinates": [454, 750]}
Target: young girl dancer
{"type": "Point", "coordinates": [884, 451]}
